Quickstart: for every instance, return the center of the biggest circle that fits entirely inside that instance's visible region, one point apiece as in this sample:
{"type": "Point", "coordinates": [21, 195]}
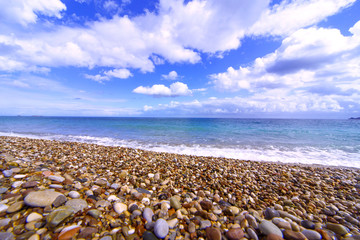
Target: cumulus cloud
{"type": "Point", "coordinates": [115, 73]}
{"type": "Point", "coordinates": [27, 11]}
{"type": "Point", "coordinates": [171, 76]}
{"type": "Point", "coordinates": [289, 16]}
{"type": "Point", "coordinates": [158, 90]}
{"type": "Point", "coordinates": [306, 57]}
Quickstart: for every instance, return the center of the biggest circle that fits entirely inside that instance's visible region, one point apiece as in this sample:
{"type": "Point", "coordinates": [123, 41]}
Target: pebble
{"type": "Point", "coordinates": [7, 236]}
{"type": "Point", "coordinates": [87, 232]}
{"type": "Point", "coordinates": [311, 234]}
{"type": "Point", "coordinates": [175, 203]}
{"type": "Point", "coordinates": [77, 204]}
{"type": "Point", "coordinates": [4, 221]}
{"type": "Point", "coordinates": [74, 194]}
{"type": "Point", "coordinates": [7, 173]}
{"type": "Point", "coordinates": [148, 214]}
{"type": "Point", "coordinates": [149, 236]}
{"type": "Point", "coordinates": [213, 233]}
{"type": "Point", "coordinates": [291, 235]}
{"type": "Point", "coordinates": [19, 176]}
{"type": "Point", "coordinates": [3, 207]}
{"type": "Point", "coordinates": [192, 227]}
{"type": "Point", "coordinates": [56, 178]}
{"type": "Point", "coordinates": [41, 198]}
{"type": "Point", "coordinates": [17, 206]}
{"type": "Point", "coordinates": [3, 190]}
{"type": "Point", "coordinates": [161, 228]}
{"type": "Point", "coordinates": [60, 200]}
{"type": "Point", "coordinates": [30, 184]}
{"type": "Point", "coordinates": [68, 232]}
{"type": "Point", "coordinates": [17, 184]}
{"type": "Point", "coordinates": [337, 228]}
{"type": "Point", "coordinates": [120, 207]}
{"type": "Point", "coordinates": [94, 213]}
{"type": "Point", "coordinates": [172, 223]}
{"type": "Point", "coordinates": [308, 224]}
{"type": "Point", "coordinates": [58, 216]}
{"type": "Point", "coordinates": [34, 216]}
{"type": "Point", "coordinates": [235, 234]}
{"type": "Point", "coordinates": [266, 227]}
{"type": "Point", "coordinates": [271, 213]}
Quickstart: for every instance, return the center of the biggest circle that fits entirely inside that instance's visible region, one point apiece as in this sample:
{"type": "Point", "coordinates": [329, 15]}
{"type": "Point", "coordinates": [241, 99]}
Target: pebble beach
{"type": "Point", "coordinates": [69, 190]}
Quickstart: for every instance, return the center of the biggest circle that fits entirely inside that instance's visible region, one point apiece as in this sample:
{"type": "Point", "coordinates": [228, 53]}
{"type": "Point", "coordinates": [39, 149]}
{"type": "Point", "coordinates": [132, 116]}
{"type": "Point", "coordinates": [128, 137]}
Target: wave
{"type": "Point", "coordinates": [302, 155]}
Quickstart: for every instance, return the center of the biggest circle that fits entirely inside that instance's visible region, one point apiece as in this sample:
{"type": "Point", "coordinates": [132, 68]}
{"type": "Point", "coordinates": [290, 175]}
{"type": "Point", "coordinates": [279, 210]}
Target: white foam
{"type": "Point", "coordinates": [305, 155]}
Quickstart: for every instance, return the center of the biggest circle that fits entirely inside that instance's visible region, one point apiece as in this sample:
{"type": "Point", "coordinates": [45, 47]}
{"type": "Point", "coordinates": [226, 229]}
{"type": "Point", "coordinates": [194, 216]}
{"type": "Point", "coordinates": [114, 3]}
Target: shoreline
{"type": "Point", "coordinates": [196, 197]}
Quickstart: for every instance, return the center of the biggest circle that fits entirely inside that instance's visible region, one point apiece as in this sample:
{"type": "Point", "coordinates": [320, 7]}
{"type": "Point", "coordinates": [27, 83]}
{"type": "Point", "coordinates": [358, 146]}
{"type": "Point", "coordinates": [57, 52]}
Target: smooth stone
{"type": "Point", "coordinates": [17, 184]}
{"type": "Point", "coordinates": [3, 190]}
{"type": "Point", "coordinates": [34, 237]}
{"type": "Point", "coordinates": [7, 173]}
{"type": "Point", "coordinates": [94, 213]}
{"type": "Point", "coordinates": [252, 234]}
{"type": "Point", "coordinates": [25, 236]}
{"type": "Point", "coordinates": [291, 235]}
{"type": "Point", "coordinates": [34, 216]}
{"type": "Point", "coordinates": [172, 223]}
{"type": "Point", "coordinates": [115, 186]}
{"type": "Point", "coordinates": [175, 203]}
{"type": "Point", "coordinates": [68, 232]}
{"type": "Point", "coordinates": [337, 228]}
{"type": "Point", "coordinates": [120, 207]}
{"type": "Point", "coordinates": [133, 207]}
{"type": "Point", "coordinates": [205, 224]}
{"type": "Point", "coordinates": [77, 204]}
{"type": "Point", "coordinates": [271, 213]}
{"type": "Point", "coordinates": [17, 206]}
{"type": "Point", "coordinates": [311, 234]}
{"type": "Point", "coordinates": [87, 232]}
{"type": "Point", "coordinates": [60, 200]}
{"type": "Point", "coordinates": [3, 207]}
{"type": "Point", "coordinates": [267, 227]}
{"type": "Point", "coordinates": [191, 227]}
{"type": "Point", "coordinates": [30, 184]}
{"type": "Point", "coordinates": [149, 236]}
{"type": "Point", "coordinates": [272, 236]}
{"type": "Point", "coordinates": [141, 190]}
{"type": "Point", "coordinates": [284, 214]}
{"type": "Point", "coordinates": [101, 182]}
{"type": "Point", "coordinates": [213, 233]}
{"type": "Point", "coordinates": [74, 194]}
{"type": "Point", "coordinates": [148, 214]}
{"type": "Point", "coordinates": [56, 186]}
{"type": "Point", "coordinates": [7, 236]}
{"type": "Point", "coordinates": [4, 222]}
{"type": "Point", "coordinates": [206, 205]}
{"type": "Point", "coordinates": [103, 204]}
{"type": "Point", "coordinates": [161, 228]}
{"type": "Point", "coordinates": [56, 178]}
{"type": "Point", "coordinates": [106, 238]}
{"type": "Point", "coordinates": [41, 198]}
{"type": "Point", "coordinates": [235, 234]}
{"type": "Point", "coordinates": [58, 216]}
{"type": "Point", "coordinates": [19, 176]}
{"type": "Point", "coordinates": [308, 224]}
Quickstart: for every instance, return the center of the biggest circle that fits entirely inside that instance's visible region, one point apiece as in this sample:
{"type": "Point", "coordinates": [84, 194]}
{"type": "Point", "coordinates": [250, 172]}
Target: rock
{"type": "Point", "coordinates": [94, 213]}
{"type": "Point", "coordinates": [206, 205]}
{"type": "Point", "coordinates": [3, 190]}
{"type": "Point", "coordinates": [7, 173]}
{"type": "Point", "coordinates": [311, 234]}
{"type": "Point", "coordinates": [291, 235]}
{"type": "Point", "coordinates": [59, 215]}
{"type": "Point", "coordinates": [149, 236]}
{"type": "Point", "coordinates": [68, 232]}
{"type": "Point", "coordinates": [284, 214]}
{"type": "Point", "coordinates": [34, 216]}
{"type": "Point", "coordinates": [77, 204]}
{"type": "Point", "coordinates": [19, 176]}
{"type": "Point", "coordinates": [74, 194]}
{"type": "Point", "coordinates": [308, 224]}
{"type": "Point", "coordinates": [213, 233]}
{"type": "Point", "coordinates": [120, 207]}
{"type": "Point", "coordinates": [115, 186]}
{"type": "Point", "coordinates": [17, 184]}
{"type": "Point", "coordinates": [56, 178]}
{"type": "Point", "coordinates": [191, 227]}
{"type": "Point", "coordinates": [3, 207]}
{"type": "Point", "coordinates": [102, 204]}
{"type": "Point", "coordinates": [272, 236]}
{"type": "Point", "coordinates": [101, 182]}
{"type": "Point", "coordinates": [252, 234]}
{"type": "Point", "coordinates": [30, 184]}
{"type": "Point", "coordinates": [266, 227]}
{"type": "Point", "coordinates": [7, 236]}
{"type": "Point", "coordinates": [235, 234]}
{"type": "Point", "coordinates": [57, 186]}
{"type": "Point", "coordinates": [172, 223]}
{"type": "Point", "coordinates": [4, 222]}
{"type": "Point", "coordinates": [205, 224]}
{"type": "Point", "coordinates": [141, 190]}
{"type": "Point", "coordinates": [148, 214]}
{"type": "Point", "coordinates": [60, 200]}
{"type": "Point", "coordinates": [41, 198]}
{"type": "Point", "coordinates": [271, 213]}
{"type": "Point", "coordinates": [161, 228]}
{"type": "Point", "coordinates": [17, 206]}
{"type": "Point", "coordinates": [175, 203]}
{"type": "Point", "coordinates": [87, 232]}
{"type": "Point", "coordinates": [337, 228]}
{"type": "Point", "coordinates": [324, 234]}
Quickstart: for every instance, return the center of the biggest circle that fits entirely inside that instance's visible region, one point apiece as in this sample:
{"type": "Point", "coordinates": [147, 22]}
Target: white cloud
{"type": "Point", "coordinates": [119, 73]}
{"type": "Point", "coordinates": [158, 90]}
{"type": "Point", "coordinates": [27, 11]}
{"type": "Point", "coordinates": [97, 78]}
{"type": "Point", "coordinates": [171, 76]}
{"type": "Point", "coordinates": [289, 16]}
{"type": "Point", "coordinates": [306, 57]}
{"type": "Point", "coordinates": [110, 5]}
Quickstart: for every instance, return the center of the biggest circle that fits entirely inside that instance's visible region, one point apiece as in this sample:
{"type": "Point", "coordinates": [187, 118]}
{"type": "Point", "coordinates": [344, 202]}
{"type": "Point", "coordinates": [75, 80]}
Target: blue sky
{"type": "Point", "coordinates": [200, 58]}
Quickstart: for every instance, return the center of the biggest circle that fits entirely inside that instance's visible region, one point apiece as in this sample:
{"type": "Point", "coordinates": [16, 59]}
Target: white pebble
{"type": "Point", "coordinates": [74, 194]}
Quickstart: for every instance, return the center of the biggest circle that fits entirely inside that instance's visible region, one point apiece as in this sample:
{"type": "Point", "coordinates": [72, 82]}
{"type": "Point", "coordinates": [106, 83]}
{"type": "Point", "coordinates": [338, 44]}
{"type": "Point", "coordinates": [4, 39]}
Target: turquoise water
{"type": "Point", "coordinates": [329, 142]}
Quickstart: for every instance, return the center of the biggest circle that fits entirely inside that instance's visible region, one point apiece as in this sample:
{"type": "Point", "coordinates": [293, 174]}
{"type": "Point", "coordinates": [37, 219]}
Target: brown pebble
{"type": "Point", "coordinates": [324, 234]}
{"type": "Point", "coordinates": [272, 236]}
{"type": "Point", "coordinates": [213, 233]}
{"type": "Point", "coordinates": [291, 235]}
{"type": "Point", "coordinates": [206, 205]}
{"type": "Point", "coordinates": [29, 184]}
{"type": "Point", "coordinates": [235, 234]}
{"type": "Point", "coordinates": [87, 232]}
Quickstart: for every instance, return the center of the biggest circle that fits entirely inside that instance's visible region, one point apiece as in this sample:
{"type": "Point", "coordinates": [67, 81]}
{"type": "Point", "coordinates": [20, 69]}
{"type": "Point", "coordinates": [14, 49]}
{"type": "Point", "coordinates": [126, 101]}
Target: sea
{"type": "Point", "coordinates": [324, 142]}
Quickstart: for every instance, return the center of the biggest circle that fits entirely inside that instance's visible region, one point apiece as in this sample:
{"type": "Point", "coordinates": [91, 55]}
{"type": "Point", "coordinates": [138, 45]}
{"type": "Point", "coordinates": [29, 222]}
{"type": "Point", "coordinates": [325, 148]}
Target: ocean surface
{"type": "Point", "coordinates": [326, 142]}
